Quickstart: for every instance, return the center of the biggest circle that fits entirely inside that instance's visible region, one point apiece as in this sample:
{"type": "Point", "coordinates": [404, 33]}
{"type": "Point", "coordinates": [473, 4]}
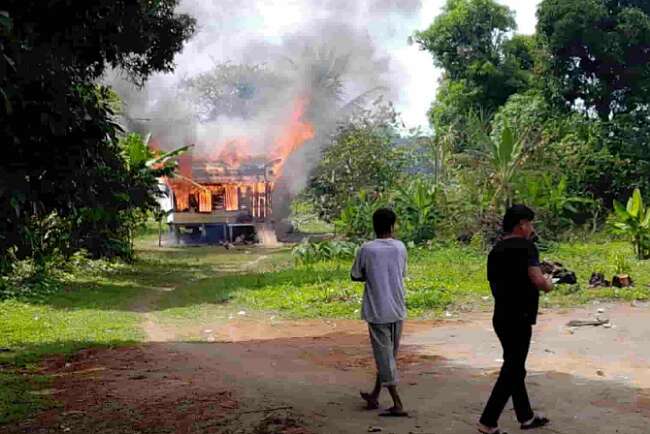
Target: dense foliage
{"type": "Point", "coordinates": [62, 157]}
{"type": "Point", "coordinates": [558, 120]}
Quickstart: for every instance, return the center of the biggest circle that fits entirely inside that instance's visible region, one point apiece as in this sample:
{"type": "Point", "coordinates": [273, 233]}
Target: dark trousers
{"type": "Point", "coordinates": [515, 340]}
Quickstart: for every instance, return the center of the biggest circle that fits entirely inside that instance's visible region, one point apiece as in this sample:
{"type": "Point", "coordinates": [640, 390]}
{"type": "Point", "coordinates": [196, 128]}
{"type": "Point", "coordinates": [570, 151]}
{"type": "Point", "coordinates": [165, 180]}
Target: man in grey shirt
{"type": "Point", "coordinates": [381, 264]}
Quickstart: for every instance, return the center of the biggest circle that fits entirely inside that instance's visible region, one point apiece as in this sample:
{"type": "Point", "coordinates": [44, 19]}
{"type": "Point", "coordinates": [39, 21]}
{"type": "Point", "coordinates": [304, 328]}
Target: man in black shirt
{"type": "Point", "coordinates": [515, 279]}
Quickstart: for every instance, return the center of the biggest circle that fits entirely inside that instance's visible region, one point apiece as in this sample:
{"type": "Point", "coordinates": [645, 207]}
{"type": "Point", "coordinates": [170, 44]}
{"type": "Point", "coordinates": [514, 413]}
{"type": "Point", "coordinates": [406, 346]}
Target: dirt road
{"type": "Point", "coordinates": [589, 380]}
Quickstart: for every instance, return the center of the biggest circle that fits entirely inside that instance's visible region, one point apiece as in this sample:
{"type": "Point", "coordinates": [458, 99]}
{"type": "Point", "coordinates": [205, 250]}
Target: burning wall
{"type": "Point", "coordinates": [230, 171]}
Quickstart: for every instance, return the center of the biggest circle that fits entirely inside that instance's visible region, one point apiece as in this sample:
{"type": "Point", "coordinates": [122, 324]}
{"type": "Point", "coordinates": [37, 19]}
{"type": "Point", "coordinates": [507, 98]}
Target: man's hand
{"type": "Point", "coordinates": [542, 282]}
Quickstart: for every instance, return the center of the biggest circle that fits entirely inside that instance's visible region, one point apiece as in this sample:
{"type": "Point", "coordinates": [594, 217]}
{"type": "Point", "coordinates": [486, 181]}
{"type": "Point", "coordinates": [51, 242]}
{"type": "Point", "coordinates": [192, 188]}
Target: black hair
{"type": "Point", "coordinates": [383, 221]}
{"type": "Point", "coordinates": [514, 215]}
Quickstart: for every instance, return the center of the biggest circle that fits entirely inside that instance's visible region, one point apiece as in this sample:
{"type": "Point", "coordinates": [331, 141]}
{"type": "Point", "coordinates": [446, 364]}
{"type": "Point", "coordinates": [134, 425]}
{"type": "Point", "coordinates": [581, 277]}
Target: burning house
{"type": "Point", "coordinates": [226, 195]}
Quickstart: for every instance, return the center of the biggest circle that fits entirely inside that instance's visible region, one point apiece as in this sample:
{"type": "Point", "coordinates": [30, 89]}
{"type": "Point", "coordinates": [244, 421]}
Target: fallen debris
{"type": "Point", "coordinates": [622, 281]}
{"type": "Point", "coordinates": [559, 273]}
{"type": "Point", "coordinates": [597, 280]}
{"type": "Point", "coordinates": [589, 322]}
{"type": "Point", "coordinates": [375, 429]}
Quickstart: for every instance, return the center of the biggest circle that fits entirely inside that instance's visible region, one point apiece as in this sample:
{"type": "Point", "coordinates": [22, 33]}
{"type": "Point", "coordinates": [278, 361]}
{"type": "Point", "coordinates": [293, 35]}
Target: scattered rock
{"type": "Point", "coordinates": [597, 280]}
{"type": "Point", "coordinates": [208, 331]}
{"type": "Point", "coordinates": [241, 312]}
{"type": "Point", "coordinates": [601, 310]}
{"type": "Point", "coordinates": [607, 326]}
{"type": "Point", "coordinates": [600, 373]}
{"type": "Point", "coordinates": [559, 273]}
{"type": "Point", "coordinates": [375, 429]}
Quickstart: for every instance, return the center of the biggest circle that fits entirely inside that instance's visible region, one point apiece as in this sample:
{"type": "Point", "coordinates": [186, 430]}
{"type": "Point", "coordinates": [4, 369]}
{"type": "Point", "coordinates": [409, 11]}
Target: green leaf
{"type": "Point", "coordinates": [646, 221]}
{"type": "Point", "coordinates": [621, 212]}
{"type": "Point", "coordinates": [507, 145]}
{"type": "Point", "coordinates": [635, 204]}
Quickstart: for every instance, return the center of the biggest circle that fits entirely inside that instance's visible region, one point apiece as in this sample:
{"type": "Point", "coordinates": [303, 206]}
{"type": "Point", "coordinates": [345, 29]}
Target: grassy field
{"type": "Point", "coordinates": [106, 305]}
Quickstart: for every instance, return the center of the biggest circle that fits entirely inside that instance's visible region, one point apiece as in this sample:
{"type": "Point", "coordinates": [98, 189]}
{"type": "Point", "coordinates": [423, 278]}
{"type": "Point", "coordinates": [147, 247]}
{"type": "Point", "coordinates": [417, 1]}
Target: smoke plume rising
{"type": "Point", "coordinates": [250, 62]}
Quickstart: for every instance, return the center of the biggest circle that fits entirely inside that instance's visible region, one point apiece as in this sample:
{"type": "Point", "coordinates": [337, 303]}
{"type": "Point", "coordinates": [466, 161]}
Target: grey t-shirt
{"type": "Point", "coordinates": [382, 265]}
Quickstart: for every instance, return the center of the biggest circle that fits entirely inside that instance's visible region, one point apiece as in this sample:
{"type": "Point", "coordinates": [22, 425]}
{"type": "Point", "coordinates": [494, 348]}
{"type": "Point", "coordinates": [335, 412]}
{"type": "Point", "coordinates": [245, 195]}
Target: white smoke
{"type": "Point", "coordinates": [346, 39]}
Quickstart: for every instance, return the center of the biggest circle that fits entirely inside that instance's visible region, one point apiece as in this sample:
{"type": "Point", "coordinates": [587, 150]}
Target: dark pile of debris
{"type": "Point", "coordinates": [598, 280]}
{"type": "Point", "coordinates": [559, 273]}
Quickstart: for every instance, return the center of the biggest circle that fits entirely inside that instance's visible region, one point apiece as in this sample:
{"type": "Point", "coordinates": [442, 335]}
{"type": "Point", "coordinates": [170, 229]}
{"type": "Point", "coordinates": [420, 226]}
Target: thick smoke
{"type": "Point", "coordinates": [241, 73]}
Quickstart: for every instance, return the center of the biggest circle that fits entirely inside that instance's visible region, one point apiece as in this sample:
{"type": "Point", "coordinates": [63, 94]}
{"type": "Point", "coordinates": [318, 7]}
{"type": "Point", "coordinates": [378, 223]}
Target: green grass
{"type": "Point", "coordinates": [92, 311]}
{"type": "Point", "coordinates": [105, 305]}
{"type": "Point", "coordinates": [444, 277]}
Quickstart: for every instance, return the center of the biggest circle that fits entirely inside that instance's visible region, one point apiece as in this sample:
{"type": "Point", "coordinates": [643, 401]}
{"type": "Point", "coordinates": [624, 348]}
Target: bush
{"type": "Point", "coordinates": [355, 219]}
{"type": "Point", "coordinates": [308, 253]}
{"type": "Point", "coordinates": [417, 212]}
{"type": "Point", "coordinates": [633, 222]}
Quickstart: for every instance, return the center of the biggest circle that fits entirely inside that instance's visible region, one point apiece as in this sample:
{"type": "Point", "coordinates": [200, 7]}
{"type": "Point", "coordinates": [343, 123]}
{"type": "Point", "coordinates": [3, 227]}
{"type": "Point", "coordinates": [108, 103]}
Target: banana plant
{"type": "Point", "coordinates": [140, 156]}
{"type": "Point", "coordinates": [355, 220]}
{"type": "Point", "coordinates": [505, 156]}
{"type": "Point", "coordinates": [504, 152]}
{"type": "Point", "coordinates": [416, 207]}
{"type": "Point", "coordinates": [633, 221]}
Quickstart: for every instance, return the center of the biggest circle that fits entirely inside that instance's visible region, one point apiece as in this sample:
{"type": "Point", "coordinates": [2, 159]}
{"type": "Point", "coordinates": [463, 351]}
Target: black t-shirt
{"type": "Point", "coordinates": [515, 297]}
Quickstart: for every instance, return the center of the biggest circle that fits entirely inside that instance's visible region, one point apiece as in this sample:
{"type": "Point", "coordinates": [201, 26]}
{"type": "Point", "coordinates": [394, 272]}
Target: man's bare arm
{"type": "Point", "coordinates": [540, 281]}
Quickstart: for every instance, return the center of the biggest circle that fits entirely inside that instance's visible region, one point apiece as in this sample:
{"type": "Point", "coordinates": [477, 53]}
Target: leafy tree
{"type": "Point", "coordinates": [597, 53]}
{"type": "Point", "coordinates": [527, 112]}
{"type": "Point", "coordinates": [234, 90]}
{"type": "Point", "coordinates": [466, 39]}
{"type": "Point", "coordinates": [361, 157]}
{"type": "Point", "coordinates": [61, 150]}
{"type": "Point", "coordinates": [482, 65]}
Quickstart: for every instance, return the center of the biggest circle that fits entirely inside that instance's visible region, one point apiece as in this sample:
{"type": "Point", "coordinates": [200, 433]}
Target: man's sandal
{"type": "Point", "coordinates": [394, 412]}
{"type": "Point", "coordinates": [536, 422]}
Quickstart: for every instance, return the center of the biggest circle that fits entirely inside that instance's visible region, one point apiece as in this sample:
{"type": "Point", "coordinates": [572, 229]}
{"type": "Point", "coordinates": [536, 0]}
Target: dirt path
{"type": "Point", "coordinates": [591, 381]}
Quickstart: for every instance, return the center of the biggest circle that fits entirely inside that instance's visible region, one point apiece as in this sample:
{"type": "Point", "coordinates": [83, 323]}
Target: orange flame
{"type": "Point", "coordinates": [294, 135]}
{"type": "Point", "coordinates": [236, 152]}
